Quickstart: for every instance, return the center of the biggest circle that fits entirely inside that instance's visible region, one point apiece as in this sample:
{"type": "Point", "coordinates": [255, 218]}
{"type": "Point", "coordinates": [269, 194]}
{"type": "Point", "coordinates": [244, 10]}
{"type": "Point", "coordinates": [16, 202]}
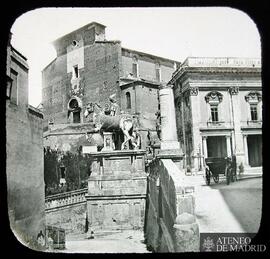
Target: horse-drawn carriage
{"type": "Point", "coordinates": [216, 166]}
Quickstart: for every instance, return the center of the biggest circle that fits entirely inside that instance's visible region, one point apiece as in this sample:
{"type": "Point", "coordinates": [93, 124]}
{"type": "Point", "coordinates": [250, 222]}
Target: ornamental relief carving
{"type": "Point", "coordinates": [214, 97]}
{"type": "Point", "coordinates": [193, 91]}
{"type": "Point", "coordinates": [234, 90]}
{"type": "Point", "coordinates": [253, 97]}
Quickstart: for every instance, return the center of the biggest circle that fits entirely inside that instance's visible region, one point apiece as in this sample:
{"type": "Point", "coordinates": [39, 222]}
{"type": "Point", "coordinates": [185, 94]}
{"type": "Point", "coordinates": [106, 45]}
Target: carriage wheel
{"type": "Point", "coordinates": [216, 178]}
{"type": "Point", "coordinates": [228, 175]}
{"type": "Point", "coordinates": [207, 176]}
{"type": "Point", "coordinates": [234, 178]}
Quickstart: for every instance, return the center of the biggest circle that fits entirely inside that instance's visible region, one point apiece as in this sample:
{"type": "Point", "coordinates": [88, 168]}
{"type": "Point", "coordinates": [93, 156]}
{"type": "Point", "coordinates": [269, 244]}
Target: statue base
{"type": "Point", "coordinates": [169, 144]}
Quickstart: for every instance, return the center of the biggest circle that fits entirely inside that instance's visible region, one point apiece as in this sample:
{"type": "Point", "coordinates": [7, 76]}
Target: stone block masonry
{"type": "Point", "coordinates": [25, 180]}
{"type": "Point", "coordinates": [72, 218]}
{"type": "Point", "coordinates": [170, 210]}
{"type": "Point", "coordinates": [116, 191]}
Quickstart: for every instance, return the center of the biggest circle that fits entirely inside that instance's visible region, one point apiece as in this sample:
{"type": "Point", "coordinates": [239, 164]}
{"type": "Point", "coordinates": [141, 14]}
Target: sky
{"type": "Point", "coordinates": [173, 33]}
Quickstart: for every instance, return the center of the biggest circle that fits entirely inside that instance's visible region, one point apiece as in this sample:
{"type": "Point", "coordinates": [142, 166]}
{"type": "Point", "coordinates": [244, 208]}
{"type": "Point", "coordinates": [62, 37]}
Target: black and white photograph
{"type": "Point", "coordinates": [134, 130]}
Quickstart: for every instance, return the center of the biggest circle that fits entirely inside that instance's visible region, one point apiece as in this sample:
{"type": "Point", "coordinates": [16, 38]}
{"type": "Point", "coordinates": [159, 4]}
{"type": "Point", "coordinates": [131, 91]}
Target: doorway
{"type": "Point", "coordinates": [216, 146]}
{"type": "Point", "coordinates": [254, 143]}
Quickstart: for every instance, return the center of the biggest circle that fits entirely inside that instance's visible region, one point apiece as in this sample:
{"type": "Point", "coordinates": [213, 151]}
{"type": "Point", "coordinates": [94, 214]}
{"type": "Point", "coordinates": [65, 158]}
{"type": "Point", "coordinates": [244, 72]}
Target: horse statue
{"type": "Point", "coordinates": [108, 123]}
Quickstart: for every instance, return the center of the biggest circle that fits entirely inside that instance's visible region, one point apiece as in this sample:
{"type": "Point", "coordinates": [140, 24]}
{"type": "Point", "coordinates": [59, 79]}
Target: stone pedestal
{"type": "Point", "coordinates": [116, 191]}
{"type": "Point", "coordinates": [186, 233]}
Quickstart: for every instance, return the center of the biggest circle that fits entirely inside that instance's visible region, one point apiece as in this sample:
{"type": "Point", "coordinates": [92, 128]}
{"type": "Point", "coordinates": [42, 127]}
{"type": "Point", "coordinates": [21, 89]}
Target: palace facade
{"type": "Point", "coordinates": [219, 110]}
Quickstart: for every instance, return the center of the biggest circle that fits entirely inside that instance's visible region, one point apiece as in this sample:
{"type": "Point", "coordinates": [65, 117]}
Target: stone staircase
{"type": "Point", "coordinates": [127, 241]}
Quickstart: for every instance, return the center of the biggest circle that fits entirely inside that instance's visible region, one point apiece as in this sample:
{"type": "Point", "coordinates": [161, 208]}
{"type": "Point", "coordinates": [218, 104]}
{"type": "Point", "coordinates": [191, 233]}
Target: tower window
{"type": "Point", "coordinates": [128, 100]}
{"type": "Point", "coordinates": [75, 72]}
{"type": "Point", "coordinates": [9, 87]}
{"type": "Point", "coordinates": [14, 90]}
{"type": "Point", "coordinates": [157, 67]}
{"type": "Point", "coordinates": [74, 109]}
{"type": "Point", "coordinates": [214, 113]}
{"type": "Point", "coordinates": [63, 172]}
{"type": "Point", "coordinates": [74, 43]}
{"type": "Point", "coordinates": [135, 69]}
{"type": "Point", "coordinates": [158, 74]}
{"type": "Point", "coordinates": [254, 112]}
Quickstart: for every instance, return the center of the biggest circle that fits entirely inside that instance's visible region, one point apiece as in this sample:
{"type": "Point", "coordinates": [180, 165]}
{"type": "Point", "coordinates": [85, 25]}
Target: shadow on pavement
{"type": "Point", "coordinates": [244, 199]}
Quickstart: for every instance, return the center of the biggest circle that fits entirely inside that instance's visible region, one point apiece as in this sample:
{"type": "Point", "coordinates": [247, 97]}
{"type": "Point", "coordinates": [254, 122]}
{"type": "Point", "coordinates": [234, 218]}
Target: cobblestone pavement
{"type": "Point", "coordinates": [228, 208]}
{"type": "Point", "coordinates": [128, 241]}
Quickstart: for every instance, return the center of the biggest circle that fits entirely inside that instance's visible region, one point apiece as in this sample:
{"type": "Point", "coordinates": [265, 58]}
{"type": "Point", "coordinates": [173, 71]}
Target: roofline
{"type": "Point", "coordinates": [80, 28]}
{"type": "Point", "coordinates": [35, 111]}
{"type": "Point", "coordinates": [140, 82]}
{"type": "Point", "coordinates": [187, 69]}
{"type": "Point", "coordinates": [49, 64]}
{"type": "Point", "coordinates": [184, 67]}
{"type": "Point", "coordinates": [18, 53]}
{"type": "Point", "coordinates": [143, 53]}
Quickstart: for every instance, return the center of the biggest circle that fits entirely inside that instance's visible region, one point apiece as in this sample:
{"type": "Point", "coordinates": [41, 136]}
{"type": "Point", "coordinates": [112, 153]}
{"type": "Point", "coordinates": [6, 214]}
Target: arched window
{"type": "Point", "coordinates": [128, 100]}
{"type": "Point", "coordinates": [74, 109]}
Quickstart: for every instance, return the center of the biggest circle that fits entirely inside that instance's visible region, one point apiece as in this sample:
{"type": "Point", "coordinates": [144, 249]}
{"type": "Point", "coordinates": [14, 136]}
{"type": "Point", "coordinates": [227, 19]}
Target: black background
{"type": "Point", "coordinates": [258, 10]}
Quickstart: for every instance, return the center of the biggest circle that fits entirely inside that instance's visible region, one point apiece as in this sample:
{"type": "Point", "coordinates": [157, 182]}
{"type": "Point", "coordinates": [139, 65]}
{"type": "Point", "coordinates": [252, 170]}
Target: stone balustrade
{"type": "Point", "coordinates": [221, 62]}
{"type": "Point", "coordinates": [65, 199]}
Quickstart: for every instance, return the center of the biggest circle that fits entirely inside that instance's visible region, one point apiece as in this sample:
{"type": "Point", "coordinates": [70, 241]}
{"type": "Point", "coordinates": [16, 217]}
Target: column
{"type": "Point", "coordinates": [204, 148]}
{"type": "Point", "coordinates": [246, 150]}
{"type": "Point", "coordinates": [168, 121]}
{"type": "Point", "coordinates": [228, 144]}
{"type": "Point", "coordinates": [204, 138]}
{"type": "Point", "coordinates": [195, 120]}
{"type": "Point", "coordinates": [239, 147]}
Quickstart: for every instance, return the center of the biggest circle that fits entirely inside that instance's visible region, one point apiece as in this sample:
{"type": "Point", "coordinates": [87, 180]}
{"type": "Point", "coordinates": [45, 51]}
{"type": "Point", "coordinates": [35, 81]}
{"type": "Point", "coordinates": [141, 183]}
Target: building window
{"type": "Point", "coordinates": [14, 90]}
{"type": "Point", "coordinates": [254, 98]}
{"type": "Point", "coordinates": [75, 43]}
{"type": "Point", "coordinates": [9, 87]}
{"type": "Point", "coordinates": [158, 75]}
{"type": "Point", "coordinates": [214, 113]}
{"type": "Point", "coordinates": [75, 73]}
{"type": "Point", "coordinates": [135, 69]}
{"type": "Point", "coordinates": [62, 181]}
{"type": "Point", "coordinates": [128, 100]}
{"type": "Point", "coordinates": [63, 172]}
{"type": "Point", "coordinates": [214, 98]}
{"type": "Point", "coordinates": [254, 112]}
{"type": "Point", "coordinates": [75, 110]}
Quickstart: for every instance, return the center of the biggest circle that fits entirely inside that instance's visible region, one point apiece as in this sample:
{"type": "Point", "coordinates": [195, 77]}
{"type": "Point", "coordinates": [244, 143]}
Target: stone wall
{"type": "Point", "coordinates": [72, 218]}
{"type": "Point", "coordinates": [168, 197]}
{"type": "Point", "coordinates": [147, 65]}
{"type": "Point", "coordinates": [25, 179]}
{"type": "Point", "coordinates": [67, 211]}
{"type": "Point", "coordinates": [98, 79]}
